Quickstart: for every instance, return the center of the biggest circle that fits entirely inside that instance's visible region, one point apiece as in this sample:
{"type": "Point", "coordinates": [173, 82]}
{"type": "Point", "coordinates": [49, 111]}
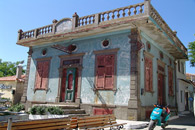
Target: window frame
{"type": "Point", "coordinates": [47, 78]}
{"type": "Point", "coordinates": [104, 53]}
{"type": "Point", "coordinates": [150, 57]}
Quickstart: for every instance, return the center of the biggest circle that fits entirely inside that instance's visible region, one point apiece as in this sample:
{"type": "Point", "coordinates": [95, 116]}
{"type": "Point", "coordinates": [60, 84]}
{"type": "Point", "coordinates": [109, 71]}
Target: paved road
{"type": "Point", "coordinates": [183, 122]}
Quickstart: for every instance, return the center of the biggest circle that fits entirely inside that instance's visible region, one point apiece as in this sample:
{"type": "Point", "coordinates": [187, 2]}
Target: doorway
{"type": "Point", "coordinates": [186, 101]}
{"type": "Point", "coordinates": [69, 85]}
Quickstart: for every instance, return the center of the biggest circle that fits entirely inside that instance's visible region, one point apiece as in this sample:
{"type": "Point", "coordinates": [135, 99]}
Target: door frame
{"type": "Point", "coordinates": [161, 70]}
{"type": "Point", "coordinates": [78, 66]}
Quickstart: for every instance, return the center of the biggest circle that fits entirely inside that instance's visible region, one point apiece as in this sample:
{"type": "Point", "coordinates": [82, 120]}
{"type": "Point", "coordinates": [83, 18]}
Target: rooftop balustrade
{"type": "Point", "coordinates": [132, 11]}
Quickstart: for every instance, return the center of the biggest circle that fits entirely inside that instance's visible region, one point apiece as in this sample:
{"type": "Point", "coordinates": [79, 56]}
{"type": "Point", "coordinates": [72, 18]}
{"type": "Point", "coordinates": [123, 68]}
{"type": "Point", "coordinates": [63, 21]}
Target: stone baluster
{"type": "Point", "coordinates": [129, 11]}
{"type": "Point", "coordinates": [141, 10]}
{"type": "Point", "coordinates": [90, 19]}
{"type": "Point", "coordinates": [20, 34]}
{"type": "Point", "coordinates": [103, 16]}
{"type": "Point", "coordinates": [118, 14]}
{"type": "Point", "coordinates": [108, 17]}
{"type": "Point", "coordinates": [123, 13]}
{"type": "Point", "coordinates": [86, 20]}
{"type": "Point", "coordinates": [135, 10]}
{"type": "Point", "coordinates": [75, 21]}
{"type": "Point", "coordinates": [113, 15]}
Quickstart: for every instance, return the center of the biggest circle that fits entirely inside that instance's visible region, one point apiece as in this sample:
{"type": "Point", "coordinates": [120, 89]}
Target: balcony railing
{"type": "Point", "coordinates": [142, 9]}
{"type": "Point", "coordinates": [86, 20]}
{"type": "Point", "coordinates": [112, 14]}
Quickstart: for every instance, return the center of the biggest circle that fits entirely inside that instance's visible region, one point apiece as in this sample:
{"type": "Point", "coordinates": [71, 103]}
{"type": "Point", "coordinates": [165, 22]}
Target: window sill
{"type": "Point", "coordinates": [41, 89]}
{"type": "Point", "coordinates": [95, 89]}
{"type": "Point", "coordinates": [149, 91]}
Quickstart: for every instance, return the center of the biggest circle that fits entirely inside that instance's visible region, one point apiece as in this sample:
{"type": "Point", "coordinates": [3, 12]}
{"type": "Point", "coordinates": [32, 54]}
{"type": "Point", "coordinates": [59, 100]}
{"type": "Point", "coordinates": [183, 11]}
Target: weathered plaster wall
{"type": "Point", "coordinates": [121, 96]}
{"type": "Point", "coordinates": [86, 45]}
{"type": "Point", "coordinates": [147, 99]}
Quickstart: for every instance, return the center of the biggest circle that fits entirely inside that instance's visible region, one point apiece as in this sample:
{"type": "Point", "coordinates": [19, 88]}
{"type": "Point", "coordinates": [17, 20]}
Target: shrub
{"type": "Point", "coordinates": [41, 110]}
{"type": "Point", "coordinates": [16, 108]}
{"type": "Point", "coordinates": [55, 110]}
{"type": "Point", "coordinates": [33, 110]}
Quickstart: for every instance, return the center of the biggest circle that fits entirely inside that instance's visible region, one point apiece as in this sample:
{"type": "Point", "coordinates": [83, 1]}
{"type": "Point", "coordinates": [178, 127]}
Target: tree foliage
{"type": "Point", "coordinates": [8, 68]}
{"type": "Point", "coordinates": [191, 47]}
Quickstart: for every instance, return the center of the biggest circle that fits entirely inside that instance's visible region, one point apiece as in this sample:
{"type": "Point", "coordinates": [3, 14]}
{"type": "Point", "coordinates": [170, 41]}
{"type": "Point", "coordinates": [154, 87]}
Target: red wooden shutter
{"type": "Point", "coordinates": [38, 75]}
{"type": "Point", "coordinates": [100, 72]}
{"type": "Point", "coordinates": [151, 75]}
{"type": "Point", "coordinates": [45, 75]}
{"type": "Point", "coordinates": [148, 74]}
{"type": "Point", "coordinates": [109, 72]}
{"type": "Point", "coordinates": [42, 75]}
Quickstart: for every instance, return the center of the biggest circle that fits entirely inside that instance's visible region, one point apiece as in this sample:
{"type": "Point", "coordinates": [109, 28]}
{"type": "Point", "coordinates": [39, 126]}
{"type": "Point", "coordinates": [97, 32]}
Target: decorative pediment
{"type": "Point", "coordinates": [64, 25]}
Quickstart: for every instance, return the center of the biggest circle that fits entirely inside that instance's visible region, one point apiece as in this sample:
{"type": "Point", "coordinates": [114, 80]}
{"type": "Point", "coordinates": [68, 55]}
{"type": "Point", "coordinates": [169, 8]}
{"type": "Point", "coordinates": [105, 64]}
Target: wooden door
{"type": "Point", "coordinates": [70, 84]}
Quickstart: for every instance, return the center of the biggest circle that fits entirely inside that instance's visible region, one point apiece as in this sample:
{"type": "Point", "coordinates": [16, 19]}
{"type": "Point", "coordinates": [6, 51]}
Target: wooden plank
{"type": "Point", "coordinates": [64, 124]}
{"type": "Point", "coordinates": [34, 123]}
{"type": "Point", "coordinates": [50, 128]}
{"type": "Point", "coordinates": [39, 121]}
{"type": "Point", "coordinates": [102, 119]}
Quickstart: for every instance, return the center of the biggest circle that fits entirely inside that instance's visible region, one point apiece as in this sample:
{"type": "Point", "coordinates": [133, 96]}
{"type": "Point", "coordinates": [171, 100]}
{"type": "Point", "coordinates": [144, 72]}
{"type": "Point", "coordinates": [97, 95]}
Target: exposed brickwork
{"type": "Point", "coordinates": [23, 99]}
{"type": "Point", "coordinates": [134, 102]}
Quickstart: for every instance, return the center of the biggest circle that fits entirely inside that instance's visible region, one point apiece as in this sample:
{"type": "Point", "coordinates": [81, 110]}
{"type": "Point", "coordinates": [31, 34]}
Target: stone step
{"type": "Point", "coordinates": [74, 111]}
{"type": "Point", "coordinates": [63, 106]}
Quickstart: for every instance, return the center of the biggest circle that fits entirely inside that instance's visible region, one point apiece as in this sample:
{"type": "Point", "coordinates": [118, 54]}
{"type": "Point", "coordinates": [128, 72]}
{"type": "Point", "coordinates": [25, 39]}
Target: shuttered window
{"type": "Point", "coordinates": [42, 75]}
{"type": "Point", "coordinates": [148, 74]}
{"type": "Point", "coordinates": [105, 66]}
{"type": "Point", "coordinates": [170, 81]}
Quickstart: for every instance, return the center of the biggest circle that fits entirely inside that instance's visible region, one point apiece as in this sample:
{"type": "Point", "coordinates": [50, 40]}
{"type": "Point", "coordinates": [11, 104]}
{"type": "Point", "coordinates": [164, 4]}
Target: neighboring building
{"type": "Point", "coordinates": [12, 86]}
{"type": "Point", "coordinates": [120, 61]}
{"type": "Point", "coordinates": [190, 77]}
{"type": "Point", "coordinates": [185, 88]}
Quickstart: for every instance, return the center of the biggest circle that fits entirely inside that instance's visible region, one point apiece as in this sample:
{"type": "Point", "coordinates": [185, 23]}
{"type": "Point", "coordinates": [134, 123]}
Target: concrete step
{"type": "Point", "coordinates": [63, 106]}
{"type": "Point", "coordinates": [74, 111]}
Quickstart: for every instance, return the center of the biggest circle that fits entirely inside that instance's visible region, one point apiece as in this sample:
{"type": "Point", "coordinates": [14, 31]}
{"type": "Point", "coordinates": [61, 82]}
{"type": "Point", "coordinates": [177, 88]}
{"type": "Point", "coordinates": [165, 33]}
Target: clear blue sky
{"type": "Point", "coordinates": [27, 15]}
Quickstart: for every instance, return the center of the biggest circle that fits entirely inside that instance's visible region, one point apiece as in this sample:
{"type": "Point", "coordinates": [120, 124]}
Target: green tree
{"type": "Point", "coordinates": [191, 47]}
{"type": "Point", "coordinates": [8, 68]}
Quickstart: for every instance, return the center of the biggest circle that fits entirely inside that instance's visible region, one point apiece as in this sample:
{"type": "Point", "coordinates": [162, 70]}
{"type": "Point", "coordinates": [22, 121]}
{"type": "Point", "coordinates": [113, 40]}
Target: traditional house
{"type": "Point", "coordinates": [184, 89]}
{"type": "Point", "coordinates": [11, 87]}
{"type": "Point", "coordinates": [120, 61]}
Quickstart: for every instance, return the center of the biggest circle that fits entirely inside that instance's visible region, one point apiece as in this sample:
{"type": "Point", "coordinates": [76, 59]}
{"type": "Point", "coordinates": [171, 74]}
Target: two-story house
{"type": "Point", "coordinates": [120, 61]}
